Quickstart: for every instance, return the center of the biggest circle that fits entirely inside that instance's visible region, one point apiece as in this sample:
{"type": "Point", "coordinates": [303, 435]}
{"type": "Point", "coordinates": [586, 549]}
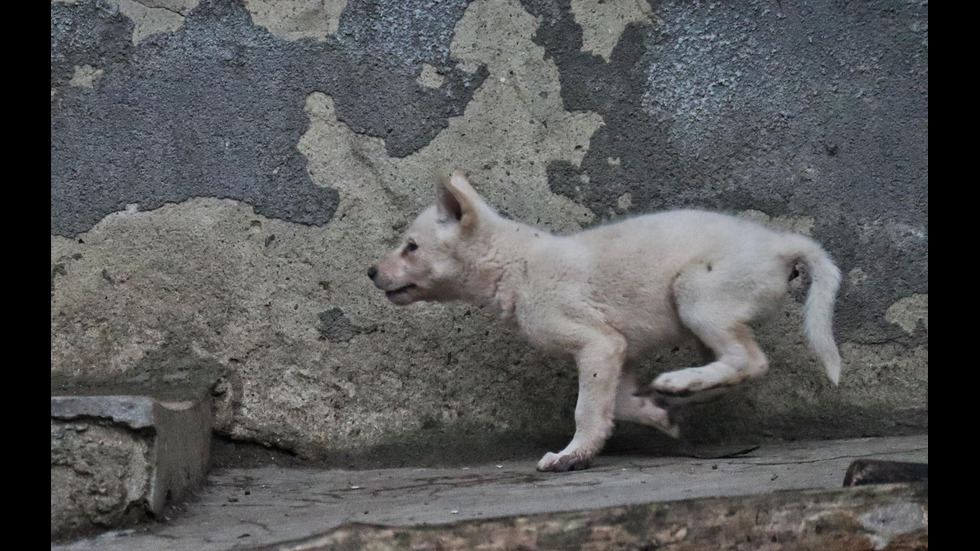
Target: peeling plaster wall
{"type": "Point", "coordinates": [224, 171]}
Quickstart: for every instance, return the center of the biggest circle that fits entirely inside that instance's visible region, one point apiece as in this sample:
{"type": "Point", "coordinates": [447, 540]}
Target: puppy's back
{"type": "Point", "coordinates": [633, 265]}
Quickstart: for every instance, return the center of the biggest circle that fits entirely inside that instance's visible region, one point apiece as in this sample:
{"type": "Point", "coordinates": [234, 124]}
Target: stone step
{"type": "Point", "coordinates": [117, 460]}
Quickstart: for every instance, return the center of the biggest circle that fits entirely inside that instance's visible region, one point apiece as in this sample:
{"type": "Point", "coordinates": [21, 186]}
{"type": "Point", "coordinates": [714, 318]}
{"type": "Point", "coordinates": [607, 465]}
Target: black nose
{"type": "Point", "coordinates": [372, 272]}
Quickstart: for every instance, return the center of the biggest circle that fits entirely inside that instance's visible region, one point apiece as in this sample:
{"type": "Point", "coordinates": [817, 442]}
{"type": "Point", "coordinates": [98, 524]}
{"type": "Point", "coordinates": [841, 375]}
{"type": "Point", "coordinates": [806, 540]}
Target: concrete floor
{"type": "Point", "coordinates": [242, 508]}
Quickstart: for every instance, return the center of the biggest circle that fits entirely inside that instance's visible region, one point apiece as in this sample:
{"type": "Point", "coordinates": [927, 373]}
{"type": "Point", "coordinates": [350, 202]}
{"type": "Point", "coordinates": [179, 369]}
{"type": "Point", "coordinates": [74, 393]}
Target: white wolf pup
{"type": "Point", "coordinates": [607, 295]}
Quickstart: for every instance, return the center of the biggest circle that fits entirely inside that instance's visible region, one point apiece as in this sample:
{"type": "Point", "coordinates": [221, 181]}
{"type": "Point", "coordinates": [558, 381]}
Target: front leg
{"type": "Point", "coordinates": [600, 364]}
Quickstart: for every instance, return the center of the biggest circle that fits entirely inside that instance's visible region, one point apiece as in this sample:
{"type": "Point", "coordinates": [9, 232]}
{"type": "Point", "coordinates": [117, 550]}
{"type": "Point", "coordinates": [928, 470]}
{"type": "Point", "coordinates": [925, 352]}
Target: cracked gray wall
{"type": "Point", "coordinates": [224, 171]}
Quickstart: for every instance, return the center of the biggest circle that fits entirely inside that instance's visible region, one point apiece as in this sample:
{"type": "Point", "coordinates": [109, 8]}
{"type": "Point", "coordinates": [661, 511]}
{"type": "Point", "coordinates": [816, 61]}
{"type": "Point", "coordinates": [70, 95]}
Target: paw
{"type": "Point", "coordinates": [680, 383]}
{"type": "Point", "coordinates": [552, 462]}
{"type": "Point", "coordinates": [670, 429]}
{"type": "Point", "coordinates": [675, 401]}
{"type": "Point", "coordinates": [670, 391]}
{"type": "Point", "coordinates": [658, 417]}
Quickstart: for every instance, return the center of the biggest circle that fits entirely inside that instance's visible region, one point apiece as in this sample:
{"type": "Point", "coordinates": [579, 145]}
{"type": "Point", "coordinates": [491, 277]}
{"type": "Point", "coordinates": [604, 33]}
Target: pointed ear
{"type": "Point", "coordinates": [457, 201]}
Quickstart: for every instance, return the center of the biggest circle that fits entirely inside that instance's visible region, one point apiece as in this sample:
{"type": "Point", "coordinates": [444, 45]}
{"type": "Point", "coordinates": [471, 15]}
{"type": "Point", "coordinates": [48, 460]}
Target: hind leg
{"type": "Point", "coordinates": [739, 359]}
{"type": "Point", "coordinates": [715, 306]}
{"type": "Point", "coordinates": [640, 409]}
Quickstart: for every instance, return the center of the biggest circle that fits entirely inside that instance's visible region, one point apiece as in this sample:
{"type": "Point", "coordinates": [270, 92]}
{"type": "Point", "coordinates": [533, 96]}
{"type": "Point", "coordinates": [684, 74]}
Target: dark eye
{"type": "Point", "coordinates": [411, 246]}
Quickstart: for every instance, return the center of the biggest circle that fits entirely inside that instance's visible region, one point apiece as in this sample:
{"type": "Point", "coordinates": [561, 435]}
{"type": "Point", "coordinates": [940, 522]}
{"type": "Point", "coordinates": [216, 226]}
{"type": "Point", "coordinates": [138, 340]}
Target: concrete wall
{"type": "Point", "coordinates": [223, 172]}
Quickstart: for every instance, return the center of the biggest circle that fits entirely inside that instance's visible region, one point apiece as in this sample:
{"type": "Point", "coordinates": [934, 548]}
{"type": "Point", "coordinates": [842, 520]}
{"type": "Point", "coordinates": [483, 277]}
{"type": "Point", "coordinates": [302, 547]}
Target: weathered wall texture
{"type": "Point", "coordinates": [223, 172]}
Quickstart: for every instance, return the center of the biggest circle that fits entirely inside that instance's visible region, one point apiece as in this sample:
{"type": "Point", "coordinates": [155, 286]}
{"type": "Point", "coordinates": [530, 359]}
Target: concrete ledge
{"type": "Point", "coordinates": [117, 460]}
{"type": "Point", "coordinates": [891, 517]}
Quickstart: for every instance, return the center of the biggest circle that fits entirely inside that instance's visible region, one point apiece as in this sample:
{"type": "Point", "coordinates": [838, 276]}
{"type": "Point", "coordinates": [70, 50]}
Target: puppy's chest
{"type": "Point", "coordinates": [545, 327]}
{"type": "Point", "coordinates": [560, 320]}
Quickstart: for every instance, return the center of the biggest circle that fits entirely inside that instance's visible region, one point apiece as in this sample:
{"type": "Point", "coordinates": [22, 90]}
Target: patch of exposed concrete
{"type": "Point", "coordinates": [85, 76]}
{"type": "Point", "coordinates": [625, 201]}
{"type": "Point", "coordinates": [857, 276]}
{"type": "Point", "coordinates": [892, 259]}
{"type": "Point", "coordinates": [516, 124]}
{"type": "Point", "coordinates": [603, 22]}
{"type": "Point", "coordinates": [199, 276]}
{"type": "Point", "coordinates": [154, 16]}
{"type": "Point", "coordinates": [148, 16]}
{"type": "Point", "coordinates": [909, 311]}
{"type": "Point", "coordinates": [511, 129]}
{"type": "Point", "coordinates": [795, 224]}
{"type": "Point", "coordinates": [430, 76]}
{"type": "Point", "coordinates": [295, 19]}
{"type": "Point", "coordinates": [905, 371]}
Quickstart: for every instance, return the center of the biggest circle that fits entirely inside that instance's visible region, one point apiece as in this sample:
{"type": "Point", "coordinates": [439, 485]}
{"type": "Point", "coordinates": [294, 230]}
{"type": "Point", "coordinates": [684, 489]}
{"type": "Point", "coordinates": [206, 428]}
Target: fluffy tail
{"type": "Point", "coordinates": [818, 311]}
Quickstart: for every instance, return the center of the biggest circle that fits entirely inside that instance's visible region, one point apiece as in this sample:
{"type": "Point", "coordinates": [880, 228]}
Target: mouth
{"type": "Point", "coordinates": [399, 294]}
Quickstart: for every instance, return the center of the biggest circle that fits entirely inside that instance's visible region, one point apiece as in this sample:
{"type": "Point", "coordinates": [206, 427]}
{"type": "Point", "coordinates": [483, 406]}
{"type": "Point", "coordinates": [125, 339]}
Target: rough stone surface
{"type": "Point", "coordinates": [100, 477]}
{"type": "Point", "coordinates": [120, 459]}
{"type": "Point", "coordinates": [221, 184]}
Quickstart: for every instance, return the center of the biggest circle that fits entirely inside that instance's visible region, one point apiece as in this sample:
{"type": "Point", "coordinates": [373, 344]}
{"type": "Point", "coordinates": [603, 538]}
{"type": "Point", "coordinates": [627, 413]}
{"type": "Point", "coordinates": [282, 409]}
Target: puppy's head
{"type": "Point", "coordinates": [430, 261]}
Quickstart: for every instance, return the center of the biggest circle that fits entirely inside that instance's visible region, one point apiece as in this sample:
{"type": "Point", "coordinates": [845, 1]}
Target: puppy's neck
{"type": "Point", "coordinates": [504, 300]}
{"type": "Point", "coordinates": [514, 241]}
